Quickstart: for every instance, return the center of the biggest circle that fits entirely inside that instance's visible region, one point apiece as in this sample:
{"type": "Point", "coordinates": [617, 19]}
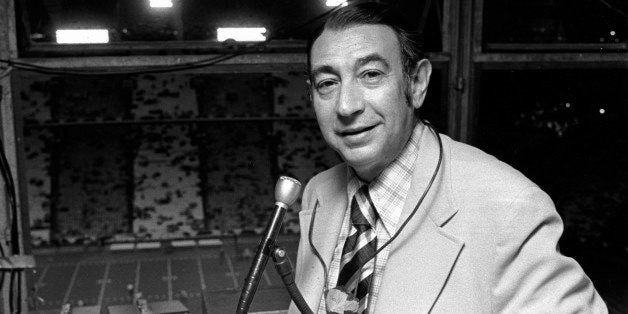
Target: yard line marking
{"type": "Point", "coordinates": [148, 245]}
{"type": "Point", "coordinates": [71, 285]}
{"type": "Point", "coordinates": [136, 285]}
{"type": "Point", "coordinates": [40, 280]}
{"type": "Point", "coordinates": [203, 293]}
{"type": "Point", "coordinates": [121, 246]}
{"type": "Point", "coordinates": [183, 243]}
{"type": "Point", "coordinates": [267, 278]}
{"type": "Point", "coordinates": [131, 259]}
{"type": "Point", "coordinates": [233, 274]}
{"type": "Point", "coordinates": [200, 272]}
{"type": "Point", "coordinates": [169, 264]}
{"type": "Point", "coordinates": [103, 285]}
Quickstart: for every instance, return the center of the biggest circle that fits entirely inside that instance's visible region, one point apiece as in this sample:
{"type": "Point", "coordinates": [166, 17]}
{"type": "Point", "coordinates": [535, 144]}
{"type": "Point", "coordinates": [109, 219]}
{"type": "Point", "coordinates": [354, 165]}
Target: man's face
{"type": "Point", "coordinates": [359, 96]}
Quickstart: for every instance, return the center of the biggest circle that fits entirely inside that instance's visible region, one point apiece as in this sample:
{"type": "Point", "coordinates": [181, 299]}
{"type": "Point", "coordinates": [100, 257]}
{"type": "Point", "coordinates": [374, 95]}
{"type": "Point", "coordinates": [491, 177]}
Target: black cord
{"type": "Point", "coordinates": [5, 72]}
{"type": "Point", "coordinates": [15, 242]}
{"type": "Point", "coordinates": [11, 284]}
{"type": "Point", "coordinates": [2, 274]}
{"type": "Point", "coordinates": [18, 301]}
{"type": "Point", "coordinates": [309, 238]}
{"type": "Point", "coordinates": [416, 208]}
{"type": "Point", "coordinates": [612, 8]}
{"type": "Point", "coordinates": [171, 68]}
{"type": "Point", "coordinates": [10, 190]}
{"type": "Point", "coordinates": [285, 271]}
{"type": "Point", "coordinates": [314, 19]}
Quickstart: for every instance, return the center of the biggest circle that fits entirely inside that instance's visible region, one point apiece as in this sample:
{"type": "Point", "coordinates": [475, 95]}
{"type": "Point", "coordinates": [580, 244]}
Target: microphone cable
{"type": "Point", "coordinates": [15, 301]}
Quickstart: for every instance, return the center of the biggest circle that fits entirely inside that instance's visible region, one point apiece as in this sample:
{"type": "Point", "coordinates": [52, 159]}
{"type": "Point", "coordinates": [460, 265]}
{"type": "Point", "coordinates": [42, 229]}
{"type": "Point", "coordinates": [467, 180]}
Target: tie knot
{"type": "Point", "coordinates": [363, 214]}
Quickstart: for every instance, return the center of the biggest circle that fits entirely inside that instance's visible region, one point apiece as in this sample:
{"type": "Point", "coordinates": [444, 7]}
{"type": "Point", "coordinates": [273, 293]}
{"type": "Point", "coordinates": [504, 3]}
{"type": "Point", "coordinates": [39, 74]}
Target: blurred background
{"type": "Point", "coordinates": [142, 139]}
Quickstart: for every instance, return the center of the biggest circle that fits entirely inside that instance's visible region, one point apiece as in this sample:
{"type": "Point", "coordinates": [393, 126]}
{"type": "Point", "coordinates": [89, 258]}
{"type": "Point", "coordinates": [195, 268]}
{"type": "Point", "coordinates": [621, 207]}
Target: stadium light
{"type": "Point", "coordinates": [335, 3]}
{"type": "Point", "coordinates": [82, 36]}
{"type": "Point", "coordinates": [161, 3]}
{"type": "Point", "coordinates": [241, 33]}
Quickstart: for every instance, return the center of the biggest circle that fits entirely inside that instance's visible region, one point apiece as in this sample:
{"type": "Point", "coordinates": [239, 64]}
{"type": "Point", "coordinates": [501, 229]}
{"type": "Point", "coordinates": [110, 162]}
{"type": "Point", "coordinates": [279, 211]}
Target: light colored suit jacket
{"type": "Point", "coordinates": [484, 240]}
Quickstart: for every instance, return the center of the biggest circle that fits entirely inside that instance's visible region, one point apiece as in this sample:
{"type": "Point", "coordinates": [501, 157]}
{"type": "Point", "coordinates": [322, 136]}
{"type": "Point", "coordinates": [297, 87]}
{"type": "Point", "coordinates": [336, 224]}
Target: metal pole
{"type": "Point", "coordinates": [9, 132]}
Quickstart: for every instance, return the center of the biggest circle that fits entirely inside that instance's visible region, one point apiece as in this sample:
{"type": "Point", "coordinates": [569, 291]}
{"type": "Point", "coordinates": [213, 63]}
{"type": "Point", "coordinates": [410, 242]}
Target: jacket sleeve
{"type": "Point", "coordinates": [531, 274]}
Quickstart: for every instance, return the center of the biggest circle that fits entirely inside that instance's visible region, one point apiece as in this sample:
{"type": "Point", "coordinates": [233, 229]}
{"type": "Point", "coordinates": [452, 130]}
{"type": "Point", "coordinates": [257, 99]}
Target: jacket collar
{"type": "Point", "coordinates": [330, 205]}
{"type": "Point", "coordinates": [426, 162]}
{"type": "Point", "coordinates": [424, 254]}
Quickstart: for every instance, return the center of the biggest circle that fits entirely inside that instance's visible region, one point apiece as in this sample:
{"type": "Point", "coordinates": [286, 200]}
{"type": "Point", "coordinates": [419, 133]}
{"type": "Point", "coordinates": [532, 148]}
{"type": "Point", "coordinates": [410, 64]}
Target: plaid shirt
{"type": "Point", "coordinates": [388, 192]}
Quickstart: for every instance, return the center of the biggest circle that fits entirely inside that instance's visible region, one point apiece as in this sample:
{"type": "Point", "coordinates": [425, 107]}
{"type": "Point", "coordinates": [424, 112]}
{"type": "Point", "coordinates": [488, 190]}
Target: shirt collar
{"type": "Point", "coordinates": [390, 188]}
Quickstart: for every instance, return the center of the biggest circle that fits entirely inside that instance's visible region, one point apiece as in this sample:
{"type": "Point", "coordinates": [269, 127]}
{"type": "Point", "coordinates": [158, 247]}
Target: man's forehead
{"type": "Point", "coordinates": [355, 42]}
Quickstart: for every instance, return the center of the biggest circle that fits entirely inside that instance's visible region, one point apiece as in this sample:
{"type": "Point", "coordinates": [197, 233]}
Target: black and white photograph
{"type": "Point", "coordinates": [313, 156]}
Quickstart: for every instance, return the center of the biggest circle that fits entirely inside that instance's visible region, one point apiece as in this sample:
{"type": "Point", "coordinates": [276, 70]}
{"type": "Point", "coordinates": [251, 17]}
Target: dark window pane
{"type": "Point", "coordinates": [567, 131]}
{"type": "Point", "coordinates": [555, 21]}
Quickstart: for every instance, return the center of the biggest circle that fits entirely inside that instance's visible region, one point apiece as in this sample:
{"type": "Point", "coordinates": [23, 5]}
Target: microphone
{"type": "Point", "coordinates": [286, 193]}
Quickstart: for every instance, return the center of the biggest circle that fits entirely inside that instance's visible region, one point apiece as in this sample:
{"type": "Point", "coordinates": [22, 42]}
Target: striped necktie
{"type": "Point", "coordinates": [359, 248]}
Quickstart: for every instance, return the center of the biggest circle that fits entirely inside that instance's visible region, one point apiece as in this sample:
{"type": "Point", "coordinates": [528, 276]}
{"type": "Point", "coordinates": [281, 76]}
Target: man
{"type": "Point", "coordinates": [407, 223]}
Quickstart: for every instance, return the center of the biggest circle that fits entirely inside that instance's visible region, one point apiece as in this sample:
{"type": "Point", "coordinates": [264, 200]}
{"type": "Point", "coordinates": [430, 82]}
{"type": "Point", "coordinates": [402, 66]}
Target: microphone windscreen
{"type": "Point", "coordinates": [287, 190]}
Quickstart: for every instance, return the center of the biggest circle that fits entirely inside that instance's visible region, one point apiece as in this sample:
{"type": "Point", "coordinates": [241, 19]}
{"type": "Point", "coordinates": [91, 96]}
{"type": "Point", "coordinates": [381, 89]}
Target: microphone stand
{"type": "Point", "coordinates": [284, 269]}
{"type": "Point", "coordinates": [260, 260]}
{"type": "Point", "coordinates": [286, 193]}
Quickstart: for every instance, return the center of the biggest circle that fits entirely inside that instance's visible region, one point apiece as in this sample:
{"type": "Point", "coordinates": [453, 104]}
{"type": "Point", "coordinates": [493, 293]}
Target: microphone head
{"type": "Point", "coordinates": [287, 190]}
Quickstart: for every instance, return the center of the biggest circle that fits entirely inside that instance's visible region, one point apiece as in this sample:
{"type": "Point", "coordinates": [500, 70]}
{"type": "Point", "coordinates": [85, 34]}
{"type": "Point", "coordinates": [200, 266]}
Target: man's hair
{"type": "Point", "coordinates": [372, 13]}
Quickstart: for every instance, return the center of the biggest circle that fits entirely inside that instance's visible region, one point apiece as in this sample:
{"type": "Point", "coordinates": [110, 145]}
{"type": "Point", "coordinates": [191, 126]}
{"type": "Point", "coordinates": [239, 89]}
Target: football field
{"type": "Point", "coordinates": [94, 279]}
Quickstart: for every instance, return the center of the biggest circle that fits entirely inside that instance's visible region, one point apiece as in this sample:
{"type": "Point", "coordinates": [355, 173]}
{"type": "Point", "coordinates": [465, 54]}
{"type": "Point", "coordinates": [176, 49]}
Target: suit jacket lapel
{"type": "Point", "coordinates": [422, 257]}
{"type": "Point", "coordinates": [332, 204]}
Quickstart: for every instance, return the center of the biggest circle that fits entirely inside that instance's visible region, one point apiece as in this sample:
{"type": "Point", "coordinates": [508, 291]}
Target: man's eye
{"type": "Point", "coordinates": [325, 87]}
{"type": "Point", "coordinates": [372, 76]}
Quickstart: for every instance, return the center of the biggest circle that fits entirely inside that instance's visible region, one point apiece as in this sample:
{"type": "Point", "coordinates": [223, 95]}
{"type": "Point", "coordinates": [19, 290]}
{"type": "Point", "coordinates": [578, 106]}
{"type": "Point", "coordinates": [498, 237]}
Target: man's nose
{"type": "Point", "coordinates": [349, 101]}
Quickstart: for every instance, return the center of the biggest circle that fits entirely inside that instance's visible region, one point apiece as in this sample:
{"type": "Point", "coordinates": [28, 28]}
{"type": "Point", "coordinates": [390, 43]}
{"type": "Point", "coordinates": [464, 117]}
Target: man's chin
{"type": "Point", "coordinates": [365, 168]}
{"type": "Point", "coordinates": [357, 158]}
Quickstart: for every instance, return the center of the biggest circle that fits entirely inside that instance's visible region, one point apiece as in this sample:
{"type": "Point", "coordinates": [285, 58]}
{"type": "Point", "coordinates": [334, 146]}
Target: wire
{"type": "Point", "coordinates": [10, 190]}
{"type": "Point", "coordinates": [320, 259]}
{"type": "Point", "coordinates": [18, 301]}
{"type": "Point", "coordinates": [15, 244]}
{"type": "Point", "coordinates": [403, 225]}
{"type": "Point", "coordinates": [608, 5]}
{"type": "Point", "coordinates": [170, 68]}
{"type": "Point", "coordinates": [7, 71]}
{"type": "Point", "coordinates": [314, 19]}
{"type": "Point", "coordinates": [3, 236]}
{"type": "Point", "coordinates": [11, 286]}
{"type": "Point", "coordinates": [11, 199]}
{"type": "Point", "coordinates": [2, 274]}
{"type": "Point", "coordinates": [427, 189]}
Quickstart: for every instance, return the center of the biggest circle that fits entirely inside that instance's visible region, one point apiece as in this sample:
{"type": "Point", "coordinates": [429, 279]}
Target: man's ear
{"type": "Point", "coordinates": [419, 81]}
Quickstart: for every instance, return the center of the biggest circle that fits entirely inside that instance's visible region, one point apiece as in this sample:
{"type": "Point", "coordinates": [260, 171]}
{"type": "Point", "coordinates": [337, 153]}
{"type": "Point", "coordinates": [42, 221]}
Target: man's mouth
{"type": "Point", "coordinates": [355, 131]}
